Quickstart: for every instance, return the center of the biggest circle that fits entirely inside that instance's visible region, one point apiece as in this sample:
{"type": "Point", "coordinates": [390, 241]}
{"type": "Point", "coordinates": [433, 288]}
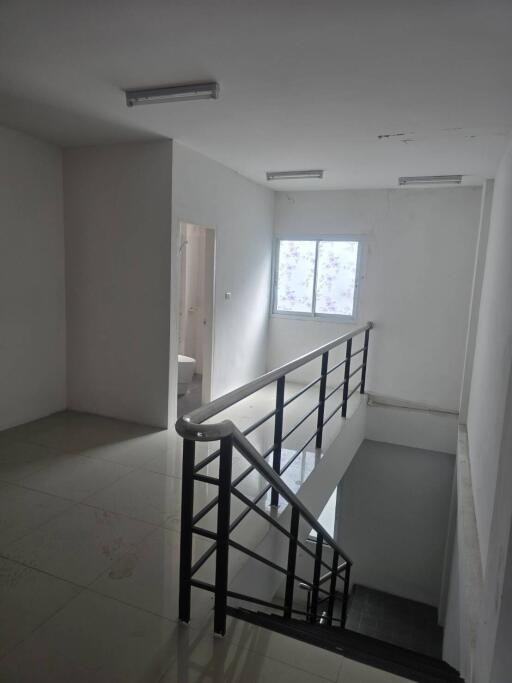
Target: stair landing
{"type": "Point", "coordinates": [409, 624]}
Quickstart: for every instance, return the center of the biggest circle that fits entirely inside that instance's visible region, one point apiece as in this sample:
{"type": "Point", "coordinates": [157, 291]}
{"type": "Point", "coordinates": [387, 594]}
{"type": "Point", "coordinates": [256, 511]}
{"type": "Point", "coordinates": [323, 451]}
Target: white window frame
{"type": "Point", "coordinates": [320, 317]}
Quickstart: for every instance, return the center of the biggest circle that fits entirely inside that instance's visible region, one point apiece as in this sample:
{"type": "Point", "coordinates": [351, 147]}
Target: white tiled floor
{"type": "Point", "coordinates": [89, 556]}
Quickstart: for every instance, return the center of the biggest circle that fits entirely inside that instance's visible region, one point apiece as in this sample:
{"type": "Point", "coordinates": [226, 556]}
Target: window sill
{"type": "Point", "coordinates": [316, 318]}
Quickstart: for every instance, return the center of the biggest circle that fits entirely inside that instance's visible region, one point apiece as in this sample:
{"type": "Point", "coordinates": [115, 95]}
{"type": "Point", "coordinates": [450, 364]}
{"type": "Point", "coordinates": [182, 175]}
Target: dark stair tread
{"type": "Point", "coordinates": [334, 633]}
{"type": "Point", "coordinates": [362, 648]}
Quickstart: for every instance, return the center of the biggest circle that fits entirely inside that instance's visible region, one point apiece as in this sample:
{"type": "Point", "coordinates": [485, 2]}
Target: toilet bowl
{"type": "Point", "coordinates": [186, 367]}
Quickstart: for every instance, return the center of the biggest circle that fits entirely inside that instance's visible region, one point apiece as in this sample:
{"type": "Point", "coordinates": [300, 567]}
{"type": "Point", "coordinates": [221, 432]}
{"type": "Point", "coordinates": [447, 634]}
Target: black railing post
{"type": "Point", "coordinates": [332, 587]}
{"type": "Point", "coordinates": [321, 399]}
{"type": "Point", "coordinates": [346, 588]}
{"type": "Point", "coordinates": [316, 577]}
{"type": "Point", "coordinates": [348, 355]}
{"type": "Point", "coordinates": [365, 358]}
{"type": "Point", "coordinates": [223, 510]}
{"type": "Point", "coordinates": [278, 436]}
{"type": "Point", "coordinates": [292, 558]}
{"type": "Point", "coordinates": [187, 511]}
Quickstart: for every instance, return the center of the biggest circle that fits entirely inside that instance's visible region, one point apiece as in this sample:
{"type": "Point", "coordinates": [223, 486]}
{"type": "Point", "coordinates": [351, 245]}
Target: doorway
{"type": "Point", "coordinates": [196, 311]}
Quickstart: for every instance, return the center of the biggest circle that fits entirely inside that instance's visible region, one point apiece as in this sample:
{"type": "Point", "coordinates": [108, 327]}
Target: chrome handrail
{"type": "Point", "coordinates": [262, 466]}
{"type": "Point", "coordinates": [192, 426]}
{"type": "Point", "coordinates": [323, 578]}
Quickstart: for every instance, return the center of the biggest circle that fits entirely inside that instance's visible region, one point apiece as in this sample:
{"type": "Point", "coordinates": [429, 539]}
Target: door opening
{"type": "Point", "coordinates": [196, 304]}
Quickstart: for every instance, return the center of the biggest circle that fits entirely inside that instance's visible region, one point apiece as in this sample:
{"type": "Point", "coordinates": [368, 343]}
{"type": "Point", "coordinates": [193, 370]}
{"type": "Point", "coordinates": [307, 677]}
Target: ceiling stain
{"type": "Point", "coordinates": [386, 136]}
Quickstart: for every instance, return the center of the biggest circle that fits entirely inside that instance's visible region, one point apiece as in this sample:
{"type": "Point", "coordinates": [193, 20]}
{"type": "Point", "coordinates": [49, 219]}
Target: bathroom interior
{"type": "Point", "coordinates": [197, 253]}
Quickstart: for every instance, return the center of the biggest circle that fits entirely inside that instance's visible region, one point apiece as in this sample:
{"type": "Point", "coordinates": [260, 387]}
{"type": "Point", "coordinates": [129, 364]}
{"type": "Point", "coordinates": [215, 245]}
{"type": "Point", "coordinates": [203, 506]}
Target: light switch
{"type": "Point", "coordinates": [227, 296]}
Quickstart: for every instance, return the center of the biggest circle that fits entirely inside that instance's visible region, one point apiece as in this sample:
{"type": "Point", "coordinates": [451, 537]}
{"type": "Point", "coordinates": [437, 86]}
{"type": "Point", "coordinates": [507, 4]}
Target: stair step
{"type": "Point", "coordinates": [367, 650]}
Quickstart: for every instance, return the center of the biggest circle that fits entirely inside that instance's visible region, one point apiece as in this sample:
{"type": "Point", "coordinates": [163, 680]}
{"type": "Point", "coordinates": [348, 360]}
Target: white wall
{"type": "Point", "coordinates": [118, 242]}
{"type": "Point", "coordinates": [241, 212]}
{"type": "Point", "coordinates": [418, 267]}
{"type": "Point", "coordinates": [452, 626]}
{"type": "Point", "coordinates": [490, 434]}
{"type": "Point", "coordinates": [342, 440]}
{"type": "Point", "coordinates": [476, 293]}
{"type": "Point", "coordinates": [502, 661]}
{"type": "Point", "coordinates": [393, 518]}
{"type": "Point", "coordinates": [412, 427]}
{"type": "Point", "coordinates": [193, 310]}
{"type": "Point", "coordinates": [493, 355]}
{"type": "Point", "coordinates": [486, 658]}
{"type": "Point", "coordinates": [32, 280]}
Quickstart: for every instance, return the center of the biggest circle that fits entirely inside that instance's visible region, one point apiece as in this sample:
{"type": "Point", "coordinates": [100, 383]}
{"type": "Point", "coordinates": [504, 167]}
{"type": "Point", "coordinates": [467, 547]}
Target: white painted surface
{"type": "Point", "coordinates": [314, 486]}
{"type": "Point", "coordinates": [393, 517]}
{"type": "Point", "coordinates": [118, 241]}
{"type": "Point", "coordinates": [451, 634]}
{"type": "Point", "coordinates": [476, 293]}
{"type": "Point", "coordinates": [32, 280]}
{"type": "Point", "coordinates": [485, 650]}
{"type": "Point", "coordinates": [417, 270]}
{"type": "Point", "coordinates": [469, 560]}
{"type": "Point", "coordinates": [302, 84]}
{"type": "Point", "coordinates": [494, 629]}
{"type": "Point", "coordinates": [241, 212]}
{"type": "Point", "coordinates": [415, 428]}
{"type": "Point", "coordinates": [192, 292]}
{"type": "Point", "coordinates": [502, 663]}
{"type": "Point", "coordinates": [493, 356]}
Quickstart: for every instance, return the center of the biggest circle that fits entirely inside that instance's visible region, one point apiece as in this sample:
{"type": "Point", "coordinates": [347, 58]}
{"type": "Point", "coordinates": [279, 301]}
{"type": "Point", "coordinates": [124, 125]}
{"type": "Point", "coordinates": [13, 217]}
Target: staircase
{"type": "Point", "coordinates": [370, 651]}
{"type": "Point", "coordinates": [321, 619]}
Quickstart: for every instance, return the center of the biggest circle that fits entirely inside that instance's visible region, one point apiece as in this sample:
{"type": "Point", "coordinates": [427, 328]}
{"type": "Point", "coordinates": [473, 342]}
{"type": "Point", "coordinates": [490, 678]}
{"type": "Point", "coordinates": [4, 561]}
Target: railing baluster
{"type": "Point", "coordinates": [316, 577]}
{"type": "Point", "coordinates": [346, 588]}
{"type": "Point", "coordinates": [223, 510]}
{"type": "Point", "coordinates": [321, 399]}
{"type": "Point", "coordinates": [348, 353]}
{"type": "Point", "coordinates": [197, 426]}
{"type": "Point", "coordinates": [332, 587]}
{"type": "Point", "coordinates": [292, 558]}
{"type": "Point", "coordinates": [187, 512]}
{"type": "Point", "coordinates": [278, 436]}
{"type": "Point", "coordinates": [365, 358]}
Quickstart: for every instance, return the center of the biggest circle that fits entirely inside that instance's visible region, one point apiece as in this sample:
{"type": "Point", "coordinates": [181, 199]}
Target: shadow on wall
{"type": "Point", "coordinates": [393, 518]}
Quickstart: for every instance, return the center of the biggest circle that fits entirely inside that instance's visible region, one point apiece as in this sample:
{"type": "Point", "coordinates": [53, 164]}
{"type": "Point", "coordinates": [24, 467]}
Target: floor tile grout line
{"type": "Point", "coordinates": [44, 493]}
{"type": "Point", "coordinates": [74, 500]}
{"type": "Point", "coordinates": [81, 589]}
{"type": "Point", "coordinates": [41, 571]}
{"type": "Point", "coordinates": [38, 526]}
{"type": "Point", "coordinates": [89, 588]}
{"type": "Point", "coordinates": [255, 629]}
{"type": "Point", "coordinates": [84, 503]}
{"type": "Point", "coordinates": [56, 455]}
{"type": "Point", "coordinates": [61, 578]}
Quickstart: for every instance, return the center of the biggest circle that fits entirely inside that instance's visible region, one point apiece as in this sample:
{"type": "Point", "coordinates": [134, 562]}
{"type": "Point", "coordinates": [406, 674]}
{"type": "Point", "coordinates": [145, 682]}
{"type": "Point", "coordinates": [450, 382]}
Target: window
{"type": "Point", "coordinates": [317, 278]}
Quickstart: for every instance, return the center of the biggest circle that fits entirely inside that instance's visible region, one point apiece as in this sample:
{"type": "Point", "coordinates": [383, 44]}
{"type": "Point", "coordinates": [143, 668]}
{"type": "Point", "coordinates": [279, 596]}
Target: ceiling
{"type": "Point", "coordinates": [368, 90]}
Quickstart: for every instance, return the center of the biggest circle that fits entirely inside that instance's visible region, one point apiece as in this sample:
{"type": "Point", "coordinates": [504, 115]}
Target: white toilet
{"type": "Point", "coordinates": [186, 367]}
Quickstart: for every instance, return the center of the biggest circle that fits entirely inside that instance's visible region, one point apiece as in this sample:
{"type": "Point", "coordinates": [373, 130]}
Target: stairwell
{"type": "Point", "coordinates": [261, 565]}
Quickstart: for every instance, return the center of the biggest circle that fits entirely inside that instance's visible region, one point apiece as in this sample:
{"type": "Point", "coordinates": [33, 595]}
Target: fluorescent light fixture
{"type": "Point", "coordinates": [173, 93]}
{"type": "Point", "coordinates": [430, 180]}
{"type": "Point", "coordinates": [293, 175]}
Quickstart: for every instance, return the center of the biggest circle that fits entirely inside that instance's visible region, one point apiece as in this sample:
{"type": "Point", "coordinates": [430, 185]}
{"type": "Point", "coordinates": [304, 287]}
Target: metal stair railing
{"type": "Point", "coordinates": [193, 427]}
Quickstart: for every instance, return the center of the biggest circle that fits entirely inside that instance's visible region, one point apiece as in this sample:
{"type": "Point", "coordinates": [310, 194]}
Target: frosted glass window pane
{"type": "Point", "coordinates": [295, 276]}
{"type": "Point", "coordinates": [336, 277]}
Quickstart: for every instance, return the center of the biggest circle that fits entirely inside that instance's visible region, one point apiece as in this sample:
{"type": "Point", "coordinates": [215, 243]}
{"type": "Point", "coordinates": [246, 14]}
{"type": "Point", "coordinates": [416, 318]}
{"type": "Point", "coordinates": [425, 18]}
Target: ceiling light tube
{"type": "Point", "coordinates": [430, 180]}
{"type": "Point", "coordinates": [293, 175]}
{"type": "Point", "coordinates": [173, 93]}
